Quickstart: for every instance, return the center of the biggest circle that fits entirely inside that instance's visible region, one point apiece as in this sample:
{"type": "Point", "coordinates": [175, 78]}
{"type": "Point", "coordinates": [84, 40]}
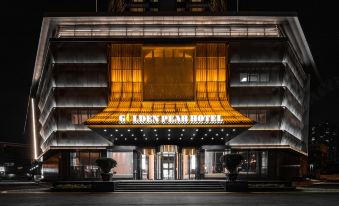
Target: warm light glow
{"type": "Point", "coordinates": [127, 106]}
{"type": "Point", "coordinates": [35, 150]}
{"type": "Point", "coordinates": [170, 119]}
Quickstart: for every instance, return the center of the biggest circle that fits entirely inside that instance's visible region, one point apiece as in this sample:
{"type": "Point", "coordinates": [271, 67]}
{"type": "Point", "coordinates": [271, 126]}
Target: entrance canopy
{"type": "Point", "coordinates": [200, 114]}
{"type": "Point", "coordinates": [167, 91]}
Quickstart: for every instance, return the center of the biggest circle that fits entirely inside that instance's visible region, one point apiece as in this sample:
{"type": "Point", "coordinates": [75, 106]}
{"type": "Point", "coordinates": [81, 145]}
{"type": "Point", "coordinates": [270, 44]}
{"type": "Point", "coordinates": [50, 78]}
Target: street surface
{"type": "Point", "coordinates": [36, 197]}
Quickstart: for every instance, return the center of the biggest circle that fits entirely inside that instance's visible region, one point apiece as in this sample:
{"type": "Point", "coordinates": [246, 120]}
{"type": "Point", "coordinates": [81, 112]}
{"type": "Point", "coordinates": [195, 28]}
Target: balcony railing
{"type": "Point", "coordinates": [131, 31]}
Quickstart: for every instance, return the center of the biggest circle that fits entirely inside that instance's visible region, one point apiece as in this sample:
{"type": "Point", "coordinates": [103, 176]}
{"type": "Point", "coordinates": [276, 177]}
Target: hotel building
{"type": "Point", "coordinates": [167, 95]}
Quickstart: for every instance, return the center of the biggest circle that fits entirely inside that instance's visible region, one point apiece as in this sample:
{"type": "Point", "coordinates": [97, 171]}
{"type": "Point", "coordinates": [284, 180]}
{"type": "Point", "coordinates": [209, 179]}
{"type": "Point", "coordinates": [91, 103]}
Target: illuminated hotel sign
{"type": "Point", "coordinates": [170, 119]}
{"type": "Point", "coordinates": [174, 91]}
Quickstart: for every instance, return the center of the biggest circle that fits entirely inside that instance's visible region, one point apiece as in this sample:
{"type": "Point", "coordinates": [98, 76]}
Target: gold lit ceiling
{"type": "Point", "coordinates": [168, 81]}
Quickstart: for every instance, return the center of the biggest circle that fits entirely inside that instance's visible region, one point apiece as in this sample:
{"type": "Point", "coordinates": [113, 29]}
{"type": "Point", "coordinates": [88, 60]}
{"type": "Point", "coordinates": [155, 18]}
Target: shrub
{"type": "Point", "coordinates": [231, 162]}
{"type": "Point", "coordinates": [106, 164]}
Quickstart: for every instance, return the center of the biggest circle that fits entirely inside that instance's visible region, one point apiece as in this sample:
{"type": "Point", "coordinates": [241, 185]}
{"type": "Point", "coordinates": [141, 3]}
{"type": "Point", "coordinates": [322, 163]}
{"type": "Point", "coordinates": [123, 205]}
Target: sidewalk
{"type": "Point", "coordinates": [330, 178]}
{"type": "Point", "coordinates": [319, 186]}
{"type": "Point", "coordinates": [14, 185]}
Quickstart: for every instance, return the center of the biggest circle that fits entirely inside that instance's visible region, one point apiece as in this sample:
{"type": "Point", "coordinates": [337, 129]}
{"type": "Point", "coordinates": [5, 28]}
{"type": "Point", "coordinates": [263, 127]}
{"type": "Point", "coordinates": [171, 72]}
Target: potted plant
{"type": "Point", "coordinates": [106, 164]}
{"type": "Point", "coordinates": [231, 162]}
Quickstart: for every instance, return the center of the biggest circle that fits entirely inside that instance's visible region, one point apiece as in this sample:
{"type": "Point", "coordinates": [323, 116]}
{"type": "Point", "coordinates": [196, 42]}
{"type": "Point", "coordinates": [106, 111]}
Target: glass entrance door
{"type": "Point", "coordinates": [189, 163]}
{"type": "Point", "coordinates": [168, 166]}
{"type": "Point", "coordinates": [167, 162]}
{"type": "Point", "coordinates": [147, 163]}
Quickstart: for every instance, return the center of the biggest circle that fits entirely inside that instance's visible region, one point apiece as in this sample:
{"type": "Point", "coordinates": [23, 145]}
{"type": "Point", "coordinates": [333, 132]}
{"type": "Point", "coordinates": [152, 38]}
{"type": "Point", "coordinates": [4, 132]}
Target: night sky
{"type": "Point", "coordinates": [20, 29]}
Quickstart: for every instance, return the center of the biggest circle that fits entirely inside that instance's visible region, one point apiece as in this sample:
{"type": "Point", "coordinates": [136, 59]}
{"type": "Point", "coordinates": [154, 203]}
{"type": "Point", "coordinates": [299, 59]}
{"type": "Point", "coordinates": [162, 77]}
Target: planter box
{"type": "Point", "coordinates": [236, 186]}
{"type": "Point", "coordinates": [83, 186]}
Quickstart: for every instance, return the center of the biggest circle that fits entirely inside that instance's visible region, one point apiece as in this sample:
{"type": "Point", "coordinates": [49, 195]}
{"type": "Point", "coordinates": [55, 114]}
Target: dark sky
{"type": "Point", "coordinates": [20, 29]}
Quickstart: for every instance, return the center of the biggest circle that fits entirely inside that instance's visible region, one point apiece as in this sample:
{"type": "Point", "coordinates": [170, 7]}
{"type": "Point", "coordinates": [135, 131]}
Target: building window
{"type": "Point", "coordinates": [197, 9]}
{"type": "Point", "coordinates": [80, 116]}
{"type": "Point", "coordinates": [243, 77]}
{"type": "Point", "coordinates": [83, 164]}
{"type": "Point", "coordinates": [196, 1]}
{"type": "Point", "coordinates": [180, 9]}
{"type": "Point", "coordinates": [76, 119]}
{"type": "Point", "coordinates": [259, 116]}
{"type": "Point", "coordinates": [254, 77]}
{"type": "Point", "coordinates": [254, 163]}
{"type": "Point", "coordinates": [264, 77]}
{"type": "Point", "coordinates": [249, 165]}
{"type": "Point", "coordinates": [124, 168]}
{"type": "Point", "coordinates": [264, 163]}
{"type": "Point", "coordinates": [154, 1]}
{"type": "Point", "coordinates": [137, 1]}
{"type": "Point", "coordinates": [138, 9]}
{"type": "Point", "coordinates": [154, 9]}
{"type": "Point", "coordinates": [213, 167]}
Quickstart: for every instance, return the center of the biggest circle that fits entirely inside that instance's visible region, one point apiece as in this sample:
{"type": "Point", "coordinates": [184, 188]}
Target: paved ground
{"type": "Point", "coordinates": [323, 194]}
{"type": "Point", "coordinates": [36, 197]}
{"type": "Point", "coordinates": [22, 186]}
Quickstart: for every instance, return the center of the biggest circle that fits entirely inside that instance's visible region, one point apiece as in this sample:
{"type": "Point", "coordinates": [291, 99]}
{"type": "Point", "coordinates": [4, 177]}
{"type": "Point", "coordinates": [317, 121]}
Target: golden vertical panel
{"type": "Point", "coordinates": [155, 81]}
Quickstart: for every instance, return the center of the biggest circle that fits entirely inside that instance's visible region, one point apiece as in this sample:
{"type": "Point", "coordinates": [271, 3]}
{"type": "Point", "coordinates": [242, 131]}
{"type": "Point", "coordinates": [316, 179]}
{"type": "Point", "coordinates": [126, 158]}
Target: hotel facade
{"type": "Point", "coordinates": [167, 95]}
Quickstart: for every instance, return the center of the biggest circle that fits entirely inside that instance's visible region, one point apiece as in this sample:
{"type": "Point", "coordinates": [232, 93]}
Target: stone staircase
{"type": "Point", "coordinates": [172, 186]}
{"type": "Point", "coordinates": [169, 186]}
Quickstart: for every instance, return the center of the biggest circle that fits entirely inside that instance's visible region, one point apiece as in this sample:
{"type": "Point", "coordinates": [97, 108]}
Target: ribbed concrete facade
{"type": "Point", "coordinates": [282, 98]}
{"type": "Point", "coordinates": [75, 85]}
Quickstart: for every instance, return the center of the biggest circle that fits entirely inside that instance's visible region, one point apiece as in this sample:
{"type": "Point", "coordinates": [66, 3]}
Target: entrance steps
{"type": "Point", "coordinates": [169, 186]}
